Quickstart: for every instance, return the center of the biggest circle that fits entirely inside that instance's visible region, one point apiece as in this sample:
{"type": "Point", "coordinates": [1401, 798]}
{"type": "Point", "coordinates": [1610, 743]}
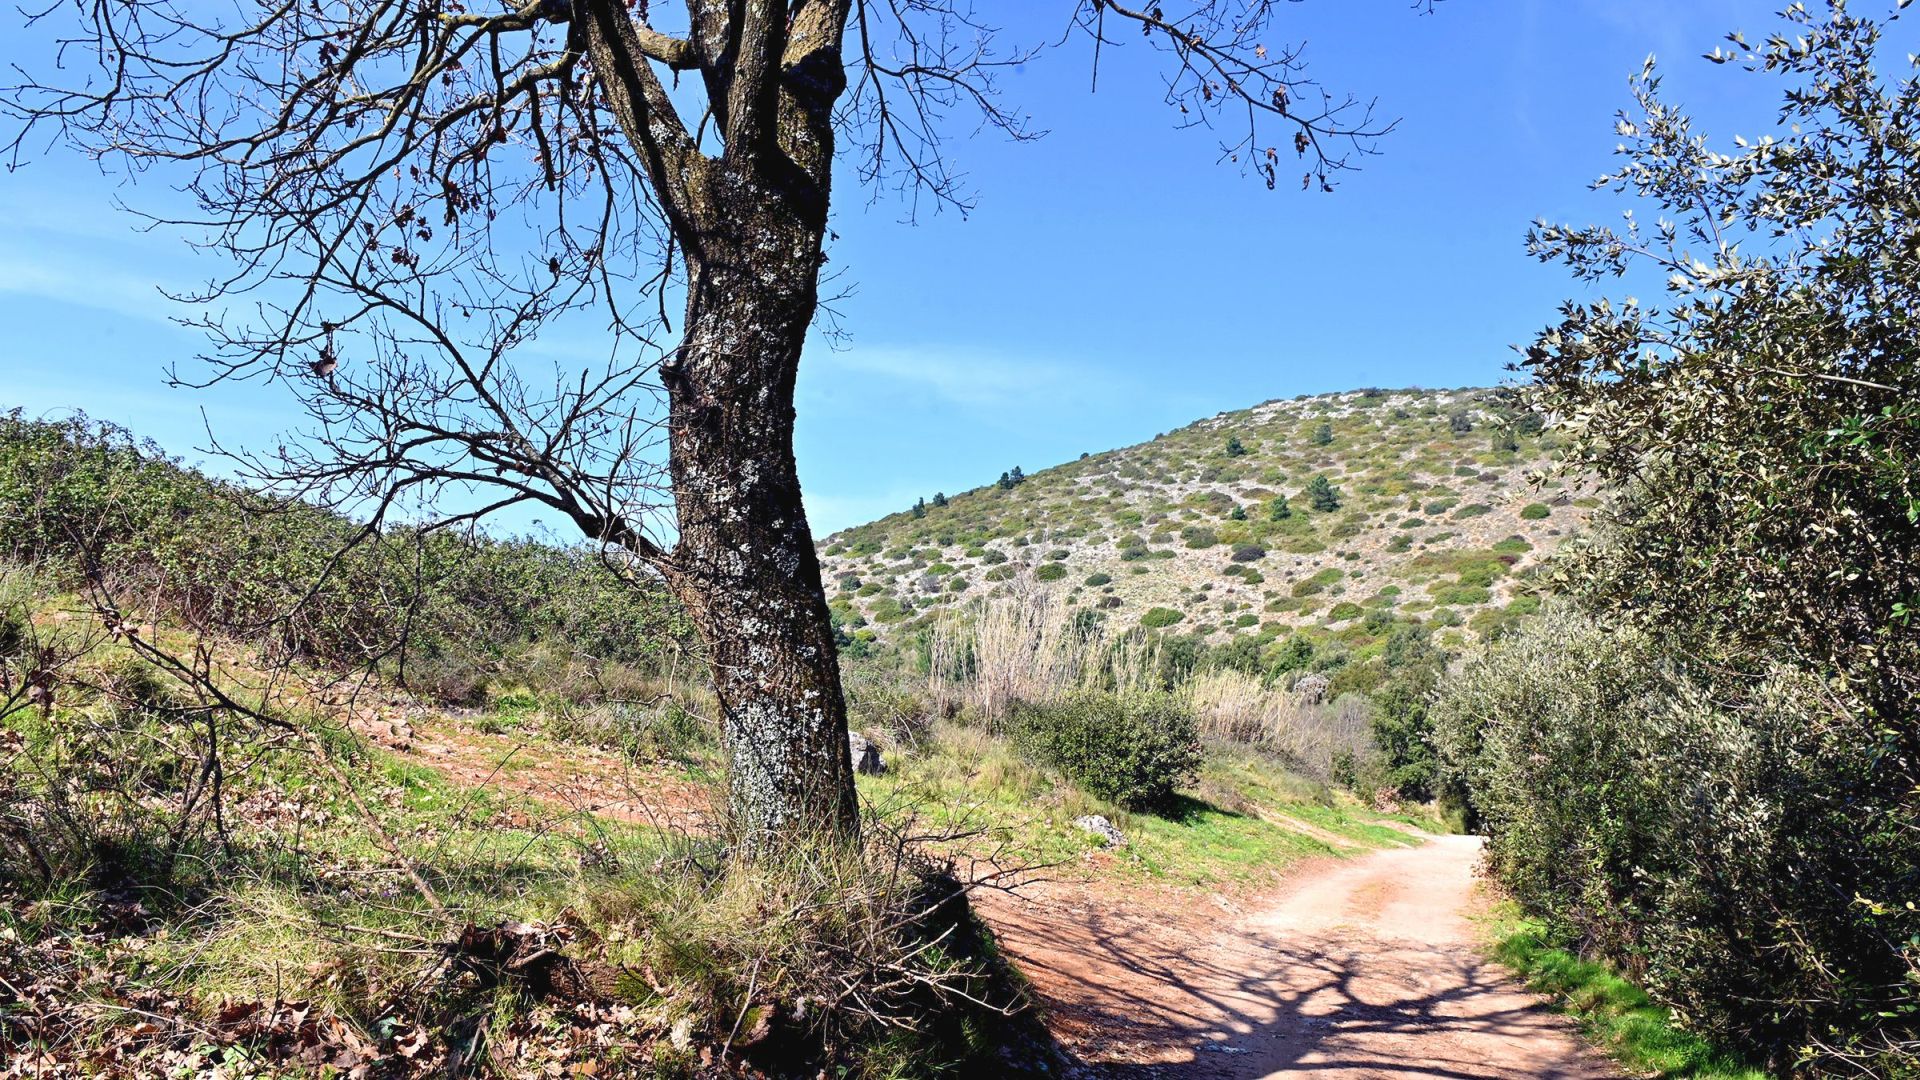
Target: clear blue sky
{"type": "Point", "coordinates": [1113, 281]}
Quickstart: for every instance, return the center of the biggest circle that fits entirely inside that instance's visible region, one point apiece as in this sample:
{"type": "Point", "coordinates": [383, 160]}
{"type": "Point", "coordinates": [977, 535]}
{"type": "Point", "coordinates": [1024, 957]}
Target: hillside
{"type": "Point", "coordinates": [1434, 517]}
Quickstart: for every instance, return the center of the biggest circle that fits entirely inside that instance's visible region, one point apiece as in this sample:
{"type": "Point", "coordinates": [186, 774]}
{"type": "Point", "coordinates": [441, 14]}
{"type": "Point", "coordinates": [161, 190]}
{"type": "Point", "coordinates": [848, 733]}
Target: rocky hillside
{"type": "Point", "coordinates": [1224, 527]}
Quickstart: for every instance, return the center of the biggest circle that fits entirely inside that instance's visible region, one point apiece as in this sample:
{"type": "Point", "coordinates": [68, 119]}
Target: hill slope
{"type": "Point", "coordinates": [1433, 518]}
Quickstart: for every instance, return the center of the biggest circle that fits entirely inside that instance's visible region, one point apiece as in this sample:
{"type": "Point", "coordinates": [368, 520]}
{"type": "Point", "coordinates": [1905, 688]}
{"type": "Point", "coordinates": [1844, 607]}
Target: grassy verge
{"type": "Point", "coordinates": [1615, 1014]}
{"type": "Point", "coordinates": [1245, 821]}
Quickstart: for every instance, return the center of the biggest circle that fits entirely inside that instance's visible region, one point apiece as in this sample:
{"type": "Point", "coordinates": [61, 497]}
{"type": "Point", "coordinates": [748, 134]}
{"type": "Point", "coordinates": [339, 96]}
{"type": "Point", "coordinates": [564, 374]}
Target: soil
{"type": "Point", "coordinates": [1359, 968]}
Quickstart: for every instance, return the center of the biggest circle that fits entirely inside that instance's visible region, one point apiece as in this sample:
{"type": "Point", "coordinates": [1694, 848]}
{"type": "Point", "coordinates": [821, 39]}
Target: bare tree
{"type": "Point", "coordinates": [410, 192]}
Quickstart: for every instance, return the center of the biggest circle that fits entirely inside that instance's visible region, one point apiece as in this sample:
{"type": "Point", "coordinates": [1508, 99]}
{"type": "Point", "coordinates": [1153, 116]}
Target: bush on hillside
{"type": "Point", "coordinates": [1158, 617]}
{"type": "Point", "coordinates": [1199, 536]}
{"type": "Point", "coordinates": [1133, 749]}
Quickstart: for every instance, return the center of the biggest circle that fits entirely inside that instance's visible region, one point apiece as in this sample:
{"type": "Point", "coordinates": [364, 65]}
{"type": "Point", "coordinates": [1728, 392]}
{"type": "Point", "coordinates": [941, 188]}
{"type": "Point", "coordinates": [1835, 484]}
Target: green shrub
{"type": "Point", "coordinates": [1712, 831]}
{"type": "Point", "coordinates": [1094, 581]}
{"type": "Point", "coordinates": [1157, 617]}
{"type": "Point", "coordinates": [1199, 536]}
{"type": "Point", "coordinates": [1536, 511]}
{"type": "Point", "coordinates": [888, 609]}
{"type": "Point", "coordinates": [1134, 750]}
{"type": "Point", "coordinates": [1318, 582]}
{"type": "Point", "coordinates": [1461, 595]}
{"type": "Point", "coordinates": [1052, 571]}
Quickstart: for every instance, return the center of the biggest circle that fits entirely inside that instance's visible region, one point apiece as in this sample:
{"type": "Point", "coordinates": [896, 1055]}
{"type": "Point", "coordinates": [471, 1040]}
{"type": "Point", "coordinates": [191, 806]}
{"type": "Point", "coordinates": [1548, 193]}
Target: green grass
{"type": "Point", "coordinates": [1230, 828]}
{"type": "Point", "coordinates": [1615, 1014]}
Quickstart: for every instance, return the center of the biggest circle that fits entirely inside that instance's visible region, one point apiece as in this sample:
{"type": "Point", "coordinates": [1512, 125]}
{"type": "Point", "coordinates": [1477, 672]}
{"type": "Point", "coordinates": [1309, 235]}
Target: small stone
{"type": "Point", "coordinates": [864, 755]}
{"type": "Point", "coordinates": [1095, 825]}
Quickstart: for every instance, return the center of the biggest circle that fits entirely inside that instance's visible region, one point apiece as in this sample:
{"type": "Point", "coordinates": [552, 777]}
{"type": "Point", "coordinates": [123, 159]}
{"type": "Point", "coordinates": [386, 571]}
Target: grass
{"type": "Point", "coordinates": [1615, 1014]}
{"type": "Point", "coordinates": [307, 904]}
{"type": "Point", "coordinates": [1231, 828]}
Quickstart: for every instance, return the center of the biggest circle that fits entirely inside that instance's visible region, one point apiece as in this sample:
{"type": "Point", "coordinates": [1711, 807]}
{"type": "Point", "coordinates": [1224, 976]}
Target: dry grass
{"type": "Point", "coordinates": [1232, 706]}
{"type": "Point", "coordinates": [1026, 647]}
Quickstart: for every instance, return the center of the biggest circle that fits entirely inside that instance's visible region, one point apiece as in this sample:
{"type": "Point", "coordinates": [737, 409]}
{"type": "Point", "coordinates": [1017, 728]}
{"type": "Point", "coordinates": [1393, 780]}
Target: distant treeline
{"type": "Point", "coordinates": [445, 610]}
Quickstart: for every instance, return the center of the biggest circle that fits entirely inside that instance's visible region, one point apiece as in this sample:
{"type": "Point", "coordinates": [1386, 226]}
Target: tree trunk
{"type": "Point", "coordinates": [745, 564]}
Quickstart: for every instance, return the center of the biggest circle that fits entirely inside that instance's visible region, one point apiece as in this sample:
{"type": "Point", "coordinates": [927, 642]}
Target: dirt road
{"type": "Point", "coordinates": [1364, 968]}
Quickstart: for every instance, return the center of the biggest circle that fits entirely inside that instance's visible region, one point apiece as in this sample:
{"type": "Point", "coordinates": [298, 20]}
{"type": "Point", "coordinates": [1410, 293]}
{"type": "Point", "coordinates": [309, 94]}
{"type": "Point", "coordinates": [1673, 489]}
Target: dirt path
{"type": "Point", "coordinates": [1362, 968]}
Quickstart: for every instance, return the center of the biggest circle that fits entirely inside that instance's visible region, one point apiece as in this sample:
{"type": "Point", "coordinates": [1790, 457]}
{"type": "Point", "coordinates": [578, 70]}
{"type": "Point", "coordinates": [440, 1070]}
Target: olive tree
{"type": "Point", "coordinates": [1757, 419]}
{"type": "Point", "coordinates": [411, 191]}
{"type": "Point", "coordinates": [1762, 423]}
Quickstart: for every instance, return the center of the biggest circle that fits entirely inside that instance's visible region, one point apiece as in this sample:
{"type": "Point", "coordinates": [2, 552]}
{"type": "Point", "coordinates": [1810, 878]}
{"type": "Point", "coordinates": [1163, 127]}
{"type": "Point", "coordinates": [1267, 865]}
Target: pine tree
{"type": "Point", "coordinates": [1323, 435]}
{"type": "Point", "coordinates": [1278, 510]}
{"type": "Point", "coordinates": [919, 509]}
{"type": "Point", "coordinates": [1238, 513]}
{"type": "Point", "coordinates": [1322, 495]}
{"type": "Point", "coordinates": [1234, 449]}
{"type": "Point", "coordinates": [939, 498]}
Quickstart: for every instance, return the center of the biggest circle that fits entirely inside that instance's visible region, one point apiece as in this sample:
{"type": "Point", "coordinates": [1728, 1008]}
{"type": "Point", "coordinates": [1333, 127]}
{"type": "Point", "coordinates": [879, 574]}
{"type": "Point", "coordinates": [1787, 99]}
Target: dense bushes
{"type": "Point", "coordinates": [82, 498]}
{"type": "Point", "coordinates": [1717, 788]}
{"type": "Point", "coordinates": [1132, 749]}
{"type": "Point", "coordinates": [1722, 838]}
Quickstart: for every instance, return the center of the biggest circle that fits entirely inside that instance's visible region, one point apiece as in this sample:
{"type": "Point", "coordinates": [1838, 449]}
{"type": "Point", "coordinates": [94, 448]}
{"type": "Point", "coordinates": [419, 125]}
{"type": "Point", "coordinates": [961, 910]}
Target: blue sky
{"type": "Point", "coordinates": [1112, 281]}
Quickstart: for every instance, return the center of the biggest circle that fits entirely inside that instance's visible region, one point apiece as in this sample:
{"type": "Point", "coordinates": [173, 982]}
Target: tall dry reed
{"type": "Point", "coordinates": [1233, 706]}
{"type": "Point", "coordinates": [994, 654]}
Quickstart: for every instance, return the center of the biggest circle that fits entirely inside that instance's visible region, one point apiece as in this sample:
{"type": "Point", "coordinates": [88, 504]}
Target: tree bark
{"type": "Point", "coordinates": [745, 564]}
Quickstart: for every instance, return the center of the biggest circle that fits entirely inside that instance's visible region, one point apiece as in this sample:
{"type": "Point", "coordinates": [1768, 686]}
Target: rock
{"type": "Point", "coordinates": [865, 755]}
{"type": "Point", "coordinates": [1096, 825]}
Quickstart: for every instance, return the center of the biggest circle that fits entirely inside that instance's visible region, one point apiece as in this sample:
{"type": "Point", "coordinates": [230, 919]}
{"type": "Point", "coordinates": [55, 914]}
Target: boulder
{"type": "Point", "coordinates": [1095, 825]}
{"type": "Point", "coordinates": [864, 755]}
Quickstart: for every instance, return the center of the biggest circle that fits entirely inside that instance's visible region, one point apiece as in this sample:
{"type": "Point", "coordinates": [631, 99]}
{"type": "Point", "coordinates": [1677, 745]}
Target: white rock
{"type": "Point", "coordinates": [1099, 826]}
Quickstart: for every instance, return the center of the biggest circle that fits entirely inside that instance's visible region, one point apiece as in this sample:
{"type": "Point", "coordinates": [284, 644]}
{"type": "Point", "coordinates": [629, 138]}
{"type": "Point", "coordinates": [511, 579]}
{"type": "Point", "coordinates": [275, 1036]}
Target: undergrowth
{"type": "Point", "coordinates": [1615, 1014]}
